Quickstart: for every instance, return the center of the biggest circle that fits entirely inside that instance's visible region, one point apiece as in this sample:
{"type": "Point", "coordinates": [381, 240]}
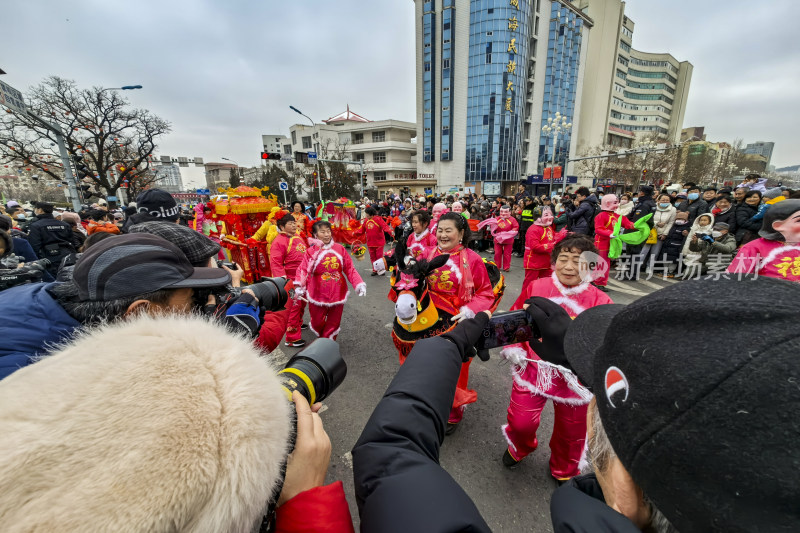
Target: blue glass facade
{"type": "Point", "coordinates": [561, 79]}
{"type": "Point", "coordinates": [499, 34]}
{"type": "Point", "coordinates": [428, 81]}
{"type": "Point", "coordinates": [448, 34]}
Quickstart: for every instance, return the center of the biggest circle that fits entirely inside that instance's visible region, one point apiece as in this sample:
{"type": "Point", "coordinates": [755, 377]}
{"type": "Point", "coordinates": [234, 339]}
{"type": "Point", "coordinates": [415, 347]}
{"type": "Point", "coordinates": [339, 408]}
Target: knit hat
{"type": "Point", "coordinates": [701, 406]}
{"type": "Point", "coordinates": [159, 204]}
{"type": "Point", "coordinates": [182, 426]}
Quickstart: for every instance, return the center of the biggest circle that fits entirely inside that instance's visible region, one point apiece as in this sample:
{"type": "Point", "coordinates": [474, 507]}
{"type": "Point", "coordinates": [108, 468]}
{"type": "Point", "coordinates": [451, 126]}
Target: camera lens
{"type": "Point", "coordinates": [315, 372]}
{"type": "Point", "coordinates": [271, 293]}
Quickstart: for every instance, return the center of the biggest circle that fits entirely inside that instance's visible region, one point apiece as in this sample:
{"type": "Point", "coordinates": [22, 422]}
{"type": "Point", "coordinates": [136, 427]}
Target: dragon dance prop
{"type": "Point", "coordinates": [637, 236]}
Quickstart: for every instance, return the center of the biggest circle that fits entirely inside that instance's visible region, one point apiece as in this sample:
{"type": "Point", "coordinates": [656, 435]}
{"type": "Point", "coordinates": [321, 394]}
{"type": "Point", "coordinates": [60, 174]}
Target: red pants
{"type": "Point", "coordinates": [325, 321]}
{"type": "Point", "coordinates": [296, 311]}
{"type": "Point", "coordinates": [463, 395]}
{"type": "Point", "coordinates": [569, 431]}
{"type": "Point", "coordinates": [502, 255]}
{"type": "Point", "coordinates": [272, 330]}
{"type": "Point", "coordinates": [531, 275]}
{"type": "Point", "coordinates": [602, 279]}
{"type": "Point", "coordinates": [375, 253]}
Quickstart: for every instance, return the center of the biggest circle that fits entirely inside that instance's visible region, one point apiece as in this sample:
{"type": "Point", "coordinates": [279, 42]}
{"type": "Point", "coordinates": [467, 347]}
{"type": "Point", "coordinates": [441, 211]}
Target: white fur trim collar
{"type": "Point", "coordinates": [569, 291]}
{"type": "Point", "coordinates": [421, 235]}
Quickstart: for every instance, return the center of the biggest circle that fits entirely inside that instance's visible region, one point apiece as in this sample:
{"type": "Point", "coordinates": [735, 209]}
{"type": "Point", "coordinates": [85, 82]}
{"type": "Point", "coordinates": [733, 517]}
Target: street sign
{"type": "Point", "coordinates": [283, 186]}
{"type": "Point", "coordinates": [204, 191]}
{"type": "Point", "coordinates": [286, 158]}
{"type": "Point", "coordinates": [312, 158]}
{"type": "Point", "coordinates": [12, 98]}
{"type": "Point", "coordinates": [111, 198]}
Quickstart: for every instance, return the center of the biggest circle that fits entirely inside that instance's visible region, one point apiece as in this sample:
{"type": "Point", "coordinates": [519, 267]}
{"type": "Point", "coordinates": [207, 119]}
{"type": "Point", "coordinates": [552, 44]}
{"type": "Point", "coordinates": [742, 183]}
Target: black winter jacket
{"type": "Point", "coordinates": [51, 239]}
{"type": "Point", "coordinates": [399, 484]}
{"type": "Point", "coordinates": [644, 207]}
{"type": "Point", "coordinates": [744, 213]}
{"type": "Point", "coordinates": [579, 506]}
{"type": "Point", "coordinates": [729, 218]}
{"type": "Point", "coordinates": [673, 244]}
{"type": "Point", "coordinates": [583, 215]}
{"type": "Point", "coordinates": [696, 208]}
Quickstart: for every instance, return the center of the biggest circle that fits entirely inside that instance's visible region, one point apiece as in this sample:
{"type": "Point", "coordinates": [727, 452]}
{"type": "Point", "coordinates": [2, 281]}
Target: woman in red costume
{"type": "Point", "coordinates": [285, 255]}
{"type": "Point", "coordinates": [322, 280]}
{"type": "Point", "coordinates": [540, 240]}
{"type": "Point", "coordinates": [603, 230]}
{"type": "Point", "coordinates": [374, 229]}
{"type": "Point", "coordinates": [461, 288]}
{"type": "Point", "coordinates": [301, 220]}
{"type": "Point", "coordinates": [504, 234]}
{"type": "Point", "coordinates": [536, 381]}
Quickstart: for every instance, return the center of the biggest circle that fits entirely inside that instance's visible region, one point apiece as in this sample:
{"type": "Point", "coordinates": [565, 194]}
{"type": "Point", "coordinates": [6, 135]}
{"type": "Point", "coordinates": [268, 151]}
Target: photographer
{"type": "Point", "coordinates": [161, 433]}
{"type": "Point", "coordinates": [115, 279]}
{"type": "Point", "coordinates": [701, 442]}
{"type": "Point", "coordinates": [399, 484]}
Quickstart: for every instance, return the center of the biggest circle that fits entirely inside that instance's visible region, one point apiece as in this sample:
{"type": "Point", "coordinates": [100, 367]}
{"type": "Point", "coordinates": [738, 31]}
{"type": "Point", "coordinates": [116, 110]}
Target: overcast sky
{"type": "Point", "coordinates": [225, 72]}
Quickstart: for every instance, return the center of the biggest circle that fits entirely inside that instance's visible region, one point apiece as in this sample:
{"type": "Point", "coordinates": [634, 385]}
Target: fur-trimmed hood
{"type": "Point", "coordinates": [167, 424]}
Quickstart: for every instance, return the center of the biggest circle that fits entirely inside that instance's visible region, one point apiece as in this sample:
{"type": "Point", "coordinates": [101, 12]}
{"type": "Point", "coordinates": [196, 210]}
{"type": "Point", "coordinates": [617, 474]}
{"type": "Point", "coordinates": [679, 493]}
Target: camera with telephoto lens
{"type": "Point", "coordinates": [271, 294]}
{"type": "Point", "coordinates": [225, 264]}
{"type": "Point", "coordinates": [314, 372]}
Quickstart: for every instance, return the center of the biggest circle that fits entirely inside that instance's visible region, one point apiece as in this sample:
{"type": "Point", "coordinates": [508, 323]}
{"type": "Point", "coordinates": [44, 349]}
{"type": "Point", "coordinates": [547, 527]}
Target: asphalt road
{"type": "Point", "coordinates": [509, 500]}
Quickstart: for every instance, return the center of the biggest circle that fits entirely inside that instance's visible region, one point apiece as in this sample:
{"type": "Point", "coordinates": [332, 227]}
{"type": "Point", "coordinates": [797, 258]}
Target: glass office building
{"type": "Point", "coordinates": [560, 81]}
{"type": "Point", "coordinates": [498, 63]}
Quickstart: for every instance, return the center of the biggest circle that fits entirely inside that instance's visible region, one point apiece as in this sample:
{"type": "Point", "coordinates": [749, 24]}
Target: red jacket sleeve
{"type": "Point", "coordinates": [483, 299]}
{"type": "Point", "coordinates": [318, 510]}
{"type": "Point", "coordinates": [626, 223]}
{"type": "Point", "coordinates": [533, 240]}
{"type": "Point", "coordinates": [602, 226]}
{"type": "Point", "coordinates": [277, 257]}
{"type": "Point", "coordinates": [302, 270]}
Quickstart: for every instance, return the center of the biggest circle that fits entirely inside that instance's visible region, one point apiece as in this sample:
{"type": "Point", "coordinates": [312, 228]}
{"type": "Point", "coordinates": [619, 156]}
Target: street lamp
{"type": "Point", "coordinates": [556, 126]}
{"type": "Point", "coordinates": [123, 88]}
{"type": "Point", "coordinates": [238, 172]}
{"type": "Point", "coordinates": [319, 176]}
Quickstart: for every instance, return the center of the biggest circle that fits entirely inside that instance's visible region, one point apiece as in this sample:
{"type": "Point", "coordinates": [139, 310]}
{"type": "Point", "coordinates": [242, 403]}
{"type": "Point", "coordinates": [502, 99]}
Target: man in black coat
{"type": "Point", "coordinates": [581, 218]}
{"type": "Point", "coordinates": [399, 484]}
{"type": "Point", "coordinates": [50, 238]}
{"type": "Point", "coordinates": [694, 205]}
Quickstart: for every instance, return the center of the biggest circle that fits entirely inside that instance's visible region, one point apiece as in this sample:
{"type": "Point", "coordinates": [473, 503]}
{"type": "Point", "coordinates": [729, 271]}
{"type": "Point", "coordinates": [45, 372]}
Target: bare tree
{"type": "Point", "coordinates": [116, 141]}
{"type": "Point", "coordinates": [337, 180]}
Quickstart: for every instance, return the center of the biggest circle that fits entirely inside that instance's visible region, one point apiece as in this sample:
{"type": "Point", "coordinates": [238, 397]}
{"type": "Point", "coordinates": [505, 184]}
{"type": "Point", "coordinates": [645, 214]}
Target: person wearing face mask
{"type": "Point", "coordinates": [776, 253]}
{"type": "Point", "coordinates": [694, 205]}
{"type": "Point", "coordinates": [625, 205]}
{"type": "Point", "coordinates": [673, 245]}
{"type": "Point", "coordinates": [663, 220]}
{"type": "Point", "coordinates": [721, 242]}
{"type": "Point", "coordinates": [504, 232]}
{"type": "Point", "coordinates": [540, 239]}
{"type": "Point", "coordinates": [604, 224]}
{"type": "Point", "coordinates": [702, 228]}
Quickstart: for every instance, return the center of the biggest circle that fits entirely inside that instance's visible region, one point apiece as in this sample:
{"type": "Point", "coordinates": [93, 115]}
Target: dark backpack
{"type": "Point", "coordinates": [590, 219]}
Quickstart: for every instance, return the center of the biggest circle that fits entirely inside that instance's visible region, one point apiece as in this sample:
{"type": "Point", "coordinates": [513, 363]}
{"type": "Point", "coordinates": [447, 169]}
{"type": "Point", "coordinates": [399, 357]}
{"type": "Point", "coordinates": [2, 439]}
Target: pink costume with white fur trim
{"type": "Point", "coordinates": [537, 381]}
{"type": "Point", "coordinates": [772, 259]}
{"type": "Point", "coordinates": [418, 246]}
{"type": "Point", "coordinates": [322, 279]}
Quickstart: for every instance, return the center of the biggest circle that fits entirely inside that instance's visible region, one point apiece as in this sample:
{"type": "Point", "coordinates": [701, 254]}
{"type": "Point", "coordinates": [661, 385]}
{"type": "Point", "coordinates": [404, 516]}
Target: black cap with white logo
{"type": "Point", "coordinates": [698, 388]}
{"type": "Point", "coordinates": [158, 203]}
{"type": "Point", "coordinates": [139, 263]}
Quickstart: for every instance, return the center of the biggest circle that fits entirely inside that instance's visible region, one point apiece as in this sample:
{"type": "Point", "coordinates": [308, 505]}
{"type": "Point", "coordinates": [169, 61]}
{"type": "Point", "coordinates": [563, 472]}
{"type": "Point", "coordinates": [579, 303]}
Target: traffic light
{"type": "Point", "coordinates": [364, 179]}
{"type": "Point", "coordinates": [81, 170]}
{"type": "Point", "coordinates": [270, 155]}
{"type": "Point", "coordinates": [301, 157]}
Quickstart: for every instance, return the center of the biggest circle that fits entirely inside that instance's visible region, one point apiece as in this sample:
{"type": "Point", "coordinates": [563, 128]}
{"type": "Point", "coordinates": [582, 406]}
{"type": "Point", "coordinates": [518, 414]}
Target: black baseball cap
{"type": "Point", "coordinates": [138, 263]}
{"type": "Point", "coordinates": [699, 396]}
{"type": "Point", "coordinates": [158, 203]}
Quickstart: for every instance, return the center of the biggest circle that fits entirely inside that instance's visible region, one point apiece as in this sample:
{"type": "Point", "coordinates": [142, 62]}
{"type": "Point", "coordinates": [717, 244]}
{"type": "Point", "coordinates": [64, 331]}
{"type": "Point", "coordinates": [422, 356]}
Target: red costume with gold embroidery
{"type": "Point", "coordinates": [285, 256]}
{"type": "Point", "coordinates": [418, 246]}
{"type": "Point", "coordinates": [373, 231]}
{"type": "Point", "coordinates": [448, 289]}
{"type": "Point", "coordinates": [603, 229]}
{"type": "Point", "coordinates": [322, 278]}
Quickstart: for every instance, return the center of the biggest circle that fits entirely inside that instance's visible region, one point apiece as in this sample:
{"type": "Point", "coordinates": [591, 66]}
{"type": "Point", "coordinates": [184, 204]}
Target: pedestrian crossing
{"type": "Point", "coordinates": [625, 291]}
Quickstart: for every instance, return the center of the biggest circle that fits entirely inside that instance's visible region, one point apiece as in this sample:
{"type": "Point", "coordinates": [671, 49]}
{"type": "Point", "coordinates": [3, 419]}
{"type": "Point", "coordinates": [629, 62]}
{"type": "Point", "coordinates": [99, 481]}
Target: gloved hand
{"type": "Point", "coordinates": [379, 266]}
{"type": "Point", "coordinates": [552, 322]}
{"type": "Point", "coordinates": [467, 333]}
{"type": "Point", "coordinates": [361, 289]}
{"type": "Point", "coordinates": [465, 314]}
{"type": "Point", "coordinates": [299, 292]}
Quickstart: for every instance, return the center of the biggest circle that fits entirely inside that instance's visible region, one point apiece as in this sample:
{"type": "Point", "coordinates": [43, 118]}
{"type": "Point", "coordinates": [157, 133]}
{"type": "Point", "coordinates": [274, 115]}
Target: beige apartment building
{"type": "Point", "coordinates": [388, 149]}
{"type": "Point", "coordinates": [628, 94]}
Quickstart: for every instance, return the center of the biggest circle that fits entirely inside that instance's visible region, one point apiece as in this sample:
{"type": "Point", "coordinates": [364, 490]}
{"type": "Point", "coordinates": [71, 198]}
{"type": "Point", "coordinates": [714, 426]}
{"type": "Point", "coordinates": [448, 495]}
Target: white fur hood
{"type": "Point", "coordinates": [168, 424]}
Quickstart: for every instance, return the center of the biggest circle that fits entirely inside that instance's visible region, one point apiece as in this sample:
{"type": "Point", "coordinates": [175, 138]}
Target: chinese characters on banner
{"type": "Point", "coordinates": [511, 68]}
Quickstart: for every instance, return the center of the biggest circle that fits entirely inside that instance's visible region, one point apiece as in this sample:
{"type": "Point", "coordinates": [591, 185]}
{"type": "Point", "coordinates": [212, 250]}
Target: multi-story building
{"type": "Point", "coordinates": [218, 175]}
{"type": "Point", "coordinates": [489, 75]}
{"type": "Point", "coordinates": [179, 172]}
{"type": "Point", "coordinates": [387, 148]}
{"type": "Point", "coordinates": [627, 93]}
{"type": "Point", "coordinates": [694, 133]}
{"type": "Point", "coordinates": [761, 148]}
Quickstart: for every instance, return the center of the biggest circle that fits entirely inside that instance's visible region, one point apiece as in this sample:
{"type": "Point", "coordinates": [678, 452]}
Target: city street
{"type": "Point", "coordinates": [509, 500]}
